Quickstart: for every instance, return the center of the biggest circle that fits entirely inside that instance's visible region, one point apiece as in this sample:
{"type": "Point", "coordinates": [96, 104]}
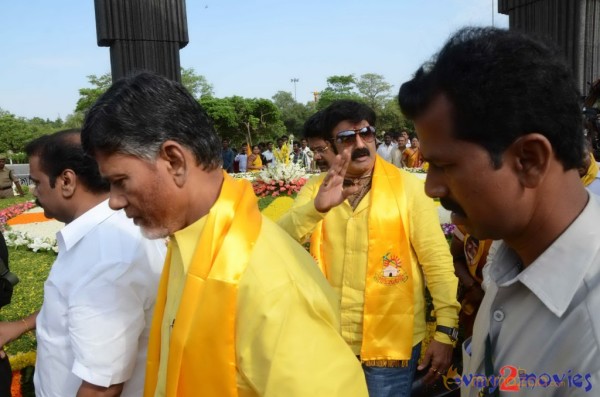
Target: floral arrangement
{"type": "Point", "coordinates": [448, 229]}
{"type": "Point", "coordinates": [12, 211]}
{"type": "Point", "coordinates": [20, 239]}
{"type": "Point", "coordinates": [281, 179]}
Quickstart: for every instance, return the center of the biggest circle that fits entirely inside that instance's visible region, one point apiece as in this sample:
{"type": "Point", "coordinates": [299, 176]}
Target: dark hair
{"type": "Point", "coordinates": [140, 112]}
{"type": "Point", "coordinates": [502, 85]}
{"type": "Point", "coordinates": [313, 128]}
{"type": "Point", "coordinates": [345, 110]}
{"type": "Point", "coordinates": [62, 150]}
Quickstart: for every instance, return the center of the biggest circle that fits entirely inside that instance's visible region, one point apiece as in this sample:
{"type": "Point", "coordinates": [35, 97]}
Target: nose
{"type": "Point", "coordinates": [359, 141]}
{"type": "Point", "coordinates": [117, 201]}
{"type": "Point", "coordinates": [435, 186]}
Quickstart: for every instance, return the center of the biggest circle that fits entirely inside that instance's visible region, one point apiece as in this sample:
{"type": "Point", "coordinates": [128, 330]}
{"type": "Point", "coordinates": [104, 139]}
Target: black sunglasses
{"type": "Point", "coordinates": [367, 134]}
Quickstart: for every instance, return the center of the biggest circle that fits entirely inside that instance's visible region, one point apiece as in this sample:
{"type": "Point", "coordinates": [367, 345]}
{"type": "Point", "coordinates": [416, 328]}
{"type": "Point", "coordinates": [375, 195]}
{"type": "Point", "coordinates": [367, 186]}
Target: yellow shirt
{"type": "Point", "coordinates": [287, 336]}
{"type": "Point", "coordinates": [345, 245]}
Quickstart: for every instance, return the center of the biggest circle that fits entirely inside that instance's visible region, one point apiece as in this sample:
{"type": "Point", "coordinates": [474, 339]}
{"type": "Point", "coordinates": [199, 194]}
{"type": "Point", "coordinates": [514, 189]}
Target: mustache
{"type": "Point", "coordinates": [451, 206]}
{"type": "Point", "coordinates": [360, 152]}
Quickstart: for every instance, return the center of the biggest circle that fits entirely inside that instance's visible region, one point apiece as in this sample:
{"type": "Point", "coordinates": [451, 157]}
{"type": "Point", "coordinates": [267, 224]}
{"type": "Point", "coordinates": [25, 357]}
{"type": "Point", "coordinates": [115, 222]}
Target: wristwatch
{"type": "Point", "coordinates": [451, 332]}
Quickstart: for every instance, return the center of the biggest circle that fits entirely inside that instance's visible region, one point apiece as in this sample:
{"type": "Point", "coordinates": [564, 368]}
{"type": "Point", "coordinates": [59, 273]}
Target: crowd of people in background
{"type": "Point", "coordinates": [398, 148]}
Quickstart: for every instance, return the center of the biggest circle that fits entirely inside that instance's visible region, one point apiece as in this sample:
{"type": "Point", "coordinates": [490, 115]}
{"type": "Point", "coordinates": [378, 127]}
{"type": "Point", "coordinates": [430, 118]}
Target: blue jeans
{"type": "Point", "coordinates": [392, 382]}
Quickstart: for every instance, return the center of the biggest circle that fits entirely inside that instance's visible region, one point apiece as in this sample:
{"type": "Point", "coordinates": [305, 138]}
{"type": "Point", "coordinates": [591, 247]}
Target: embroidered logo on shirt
{"type": "Point", "coordinates": [392, 272]}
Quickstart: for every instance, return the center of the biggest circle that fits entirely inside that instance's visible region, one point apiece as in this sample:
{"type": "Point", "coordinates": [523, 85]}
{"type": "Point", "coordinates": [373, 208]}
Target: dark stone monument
{"type": "Point", "coordinates": [574, 25]}
{"type": "Point", "coordinates": [142, 35]}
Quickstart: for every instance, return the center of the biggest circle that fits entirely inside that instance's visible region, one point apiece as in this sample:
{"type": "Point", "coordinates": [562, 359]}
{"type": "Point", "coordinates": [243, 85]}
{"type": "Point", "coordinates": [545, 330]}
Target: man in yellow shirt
{"type": "Point", "coordinates": [376, 237]}
{"type": "Point", "coordinates": [241, 310]}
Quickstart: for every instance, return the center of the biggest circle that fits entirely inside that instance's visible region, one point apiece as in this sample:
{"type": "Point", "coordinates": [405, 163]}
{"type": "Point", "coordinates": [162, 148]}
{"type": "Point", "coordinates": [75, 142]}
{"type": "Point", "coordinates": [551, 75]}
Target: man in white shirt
{"type": "Point", "coordinates": [506, 164]}
{"type": "Point", "coordinates": [386, 148]}
{"type": "Point", "coordinates": [242, 158]}
{"type": "Point", "coordinates": [92, 331]}
{"type": "Point", "coordinates": [268, 154]}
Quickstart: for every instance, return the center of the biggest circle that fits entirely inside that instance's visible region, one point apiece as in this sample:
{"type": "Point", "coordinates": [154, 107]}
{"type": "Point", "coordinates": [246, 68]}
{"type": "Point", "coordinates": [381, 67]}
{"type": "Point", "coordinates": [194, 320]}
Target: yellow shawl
{"type": "Point", "coordinates": [202, 358]}
{"type": "Point", "coordinates": [591, 173]}
{"type": "Point", "coordinates": [257, 162]}
{"type": "Point", "coordinates": [389, 304]}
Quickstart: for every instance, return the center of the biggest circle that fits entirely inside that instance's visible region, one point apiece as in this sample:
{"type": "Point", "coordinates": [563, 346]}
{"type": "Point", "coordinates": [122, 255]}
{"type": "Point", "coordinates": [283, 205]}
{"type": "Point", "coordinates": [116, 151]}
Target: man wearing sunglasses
{"type": "Point", "coordinates": [376, 237]}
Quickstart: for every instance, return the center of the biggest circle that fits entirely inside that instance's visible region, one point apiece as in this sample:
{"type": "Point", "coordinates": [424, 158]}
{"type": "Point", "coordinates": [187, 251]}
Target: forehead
{"type": "Point", "coordinates": [34, 166]}
{"type": "Point", "coordinates": [434, 127]}
{"type": "Point", "coordinates": [316, 142]}
{"type": "Point", "coordinates": [346, 125]}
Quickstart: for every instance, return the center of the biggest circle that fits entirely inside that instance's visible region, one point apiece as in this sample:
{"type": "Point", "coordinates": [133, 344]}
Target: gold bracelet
{"type": "Point", "coordinates": [26, 325]}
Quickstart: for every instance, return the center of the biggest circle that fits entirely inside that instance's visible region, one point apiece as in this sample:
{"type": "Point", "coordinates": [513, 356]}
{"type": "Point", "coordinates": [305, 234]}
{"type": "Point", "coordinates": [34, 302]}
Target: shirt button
{"type": "Point", "coordinates": [498, 315]}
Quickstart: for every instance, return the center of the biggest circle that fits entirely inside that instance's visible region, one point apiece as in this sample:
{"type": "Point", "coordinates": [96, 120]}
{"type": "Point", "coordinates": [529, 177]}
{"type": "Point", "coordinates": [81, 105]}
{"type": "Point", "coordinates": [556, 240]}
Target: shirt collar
{"type": "Point", "coordinates": [70, 235]}
{"type": "Point", "coordinates": [187, 239]}
{"type": "Point", "coordinates": [556, 275]}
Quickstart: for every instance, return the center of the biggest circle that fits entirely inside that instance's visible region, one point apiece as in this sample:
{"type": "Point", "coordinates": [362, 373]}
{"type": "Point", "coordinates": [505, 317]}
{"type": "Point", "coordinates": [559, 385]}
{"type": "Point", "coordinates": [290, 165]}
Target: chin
{"type": "Point", "coordinates": [154, 233]}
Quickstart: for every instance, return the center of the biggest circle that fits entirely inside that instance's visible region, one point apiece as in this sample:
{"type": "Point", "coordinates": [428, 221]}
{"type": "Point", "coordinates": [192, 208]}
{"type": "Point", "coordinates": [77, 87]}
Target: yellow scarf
{"type": "Point", "coordinates": [202, 357]}
{"type": "Point", "coordinates": [592, 172]}
{"type": "Point", "coordinates": [389, 304]}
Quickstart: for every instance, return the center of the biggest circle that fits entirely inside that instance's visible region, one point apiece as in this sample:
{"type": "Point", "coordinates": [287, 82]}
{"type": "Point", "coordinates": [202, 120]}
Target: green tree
{"type": "Point", "coordinates": [390, 118]}
{"type": "Point", "coordinates": [16, 132]}
{"type": "Point", "coordinates": [196, 84]}
{"type": "Point", "coordinates": [341, 84]}
{"type": "Point", "coordinates": [293, 114]}
{"type": "Point", "coordinates": [338, 87]}
{"type": "Point", "coordinates": [88, 96]}
{"type": "Point", "coordinates": [244, 120]}
{"type": "Point", "coordinates": [374, 89]}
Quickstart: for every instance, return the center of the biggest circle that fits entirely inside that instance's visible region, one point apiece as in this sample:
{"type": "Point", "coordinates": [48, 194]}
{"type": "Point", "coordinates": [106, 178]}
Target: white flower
{"type": "Point", "coordinates": [20, 239]}
{"type": "Point", "coordinates": [283, 172]}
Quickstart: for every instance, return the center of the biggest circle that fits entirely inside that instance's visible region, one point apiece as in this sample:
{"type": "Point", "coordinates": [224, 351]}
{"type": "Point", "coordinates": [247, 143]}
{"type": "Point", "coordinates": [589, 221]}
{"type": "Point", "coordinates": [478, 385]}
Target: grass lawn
{"type": "Point", "coordinates": [32, 269]}
{"type": "Point", "coordinates": [8, 202]}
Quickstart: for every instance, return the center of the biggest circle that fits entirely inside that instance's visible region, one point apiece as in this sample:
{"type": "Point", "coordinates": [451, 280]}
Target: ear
{"type": "Point", "coordinates": [177, 159]}
{"type": "Point", "coordinates": [532, 154]}
{"type": "Point", "coordinates": [67, 183]}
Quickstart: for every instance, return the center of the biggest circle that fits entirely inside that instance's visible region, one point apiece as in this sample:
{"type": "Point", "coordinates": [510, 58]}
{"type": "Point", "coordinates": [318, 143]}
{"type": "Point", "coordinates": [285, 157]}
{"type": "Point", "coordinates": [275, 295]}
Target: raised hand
{"type": "Point", "coordinates": [332, 191]}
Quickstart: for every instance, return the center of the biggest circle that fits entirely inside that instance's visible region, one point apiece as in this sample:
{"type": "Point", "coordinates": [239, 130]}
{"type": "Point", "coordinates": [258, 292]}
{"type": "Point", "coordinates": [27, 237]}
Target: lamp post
{"type": "Point", "coordinates": [295, 80]}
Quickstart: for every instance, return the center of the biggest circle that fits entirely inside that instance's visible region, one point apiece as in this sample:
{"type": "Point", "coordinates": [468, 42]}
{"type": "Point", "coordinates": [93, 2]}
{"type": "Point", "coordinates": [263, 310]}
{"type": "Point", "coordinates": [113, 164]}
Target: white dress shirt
{"type": "Point", "coordinates": [385, 151]}
{"type": "Point", "coordinates": [98, 301]}
{"type": "Point", "coordinates": [543, 320]}
{"type": "Point", "coordinates": [242, 159]}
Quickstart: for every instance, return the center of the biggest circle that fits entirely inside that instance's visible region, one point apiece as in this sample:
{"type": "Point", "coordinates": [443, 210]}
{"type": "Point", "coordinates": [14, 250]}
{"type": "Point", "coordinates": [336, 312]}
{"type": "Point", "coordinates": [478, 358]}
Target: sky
{"type": "Point", "coordinates": [250, 48]}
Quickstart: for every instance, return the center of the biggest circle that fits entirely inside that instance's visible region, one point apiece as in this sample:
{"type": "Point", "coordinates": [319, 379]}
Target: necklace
{"type": "Point", "coordinates": [354, 199]}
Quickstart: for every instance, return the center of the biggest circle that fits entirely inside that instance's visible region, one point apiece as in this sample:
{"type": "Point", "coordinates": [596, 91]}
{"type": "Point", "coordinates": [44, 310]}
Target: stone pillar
{"type": "Point", "coordinates": [574, 25]}
{"type": "Point", "coordinates": [142, 35]}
